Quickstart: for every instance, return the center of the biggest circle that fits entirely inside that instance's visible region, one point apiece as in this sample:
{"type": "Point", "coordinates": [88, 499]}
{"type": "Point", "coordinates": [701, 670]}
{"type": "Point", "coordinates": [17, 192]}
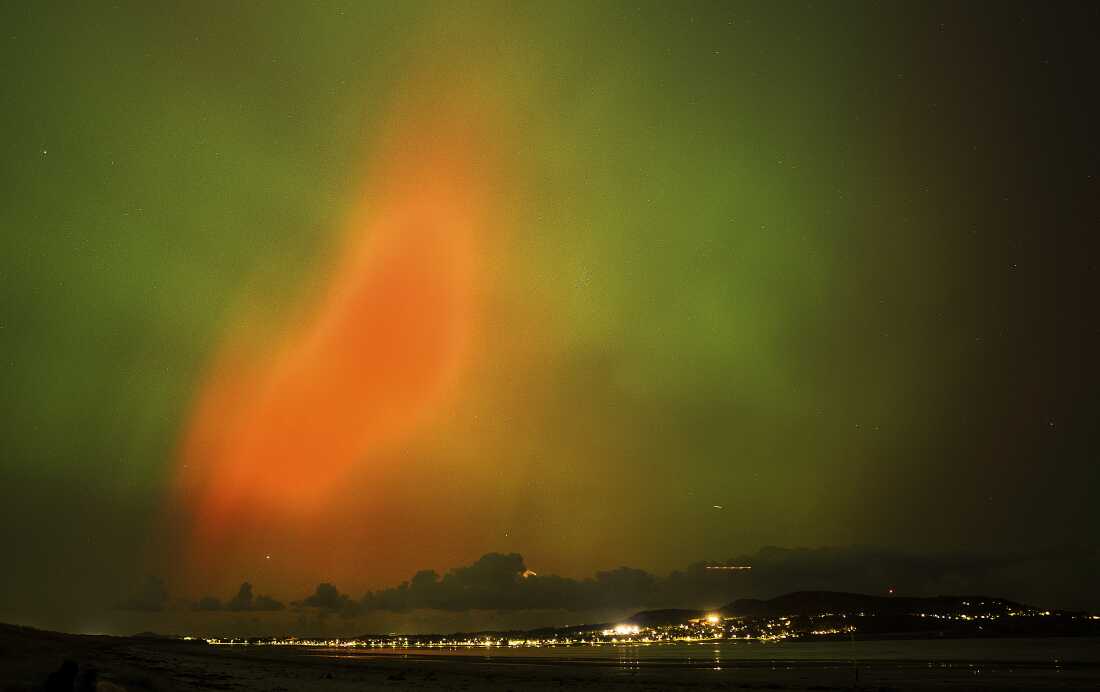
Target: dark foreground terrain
{"type": "Point", "coordinates": [36, 660]}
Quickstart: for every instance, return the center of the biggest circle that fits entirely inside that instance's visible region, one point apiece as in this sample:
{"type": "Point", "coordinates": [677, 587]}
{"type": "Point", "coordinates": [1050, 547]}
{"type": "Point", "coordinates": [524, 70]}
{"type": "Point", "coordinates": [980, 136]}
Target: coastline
{"type": "Point", "coordinates": [27, 657]}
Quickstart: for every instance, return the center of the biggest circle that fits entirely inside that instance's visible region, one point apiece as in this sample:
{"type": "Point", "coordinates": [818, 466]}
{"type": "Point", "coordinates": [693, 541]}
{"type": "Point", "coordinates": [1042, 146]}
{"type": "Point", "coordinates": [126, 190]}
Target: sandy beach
{"type": "Point", "coordinates": [29, 657]}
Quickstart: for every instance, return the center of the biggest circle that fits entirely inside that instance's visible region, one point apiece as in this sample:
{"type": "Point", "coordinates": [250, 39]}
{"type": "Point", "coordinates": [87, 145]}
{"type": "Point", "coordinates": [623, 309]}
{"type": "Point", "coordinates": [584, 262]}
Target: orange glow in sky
{"type": "Point", "coordinates": [277, 426]}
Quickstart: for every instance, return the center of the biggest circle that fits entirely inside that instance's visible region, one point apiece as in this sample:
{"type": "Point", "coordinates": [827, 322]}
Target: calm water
{"type": "Point", "coordinates": [1048, 651]}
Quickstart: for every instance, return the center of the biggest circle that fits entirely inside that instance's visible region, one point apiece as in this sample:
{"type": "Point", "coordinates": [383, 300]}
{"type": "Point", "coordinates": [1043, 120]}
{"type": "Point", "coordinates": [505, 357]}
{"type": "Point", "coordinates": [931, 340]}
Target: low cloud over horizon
{"type": "Point", "coordinates": [244, 601]}
{"type": "Point", "coordinates": [503, 582]}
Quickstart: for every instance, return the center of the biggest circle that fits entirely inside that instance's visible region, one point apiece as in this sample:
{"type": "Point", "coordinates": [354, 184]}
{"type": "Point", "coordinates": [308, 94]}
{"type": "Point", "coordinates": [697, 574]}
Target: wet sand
{"type": "Point", "coordinates": [27, 657]}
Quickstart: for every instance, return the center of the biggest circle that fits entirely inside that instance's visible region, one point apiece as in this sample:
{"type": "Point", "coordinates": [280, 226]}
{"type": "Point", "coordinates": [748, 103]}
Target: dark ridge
{"type": "Point", "coordinates": [818, 602]}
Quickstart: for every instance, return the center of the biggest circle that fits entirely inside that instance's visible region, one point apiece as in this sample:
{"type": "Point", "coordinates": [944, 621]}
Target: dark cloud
{"type": "Point", "coordinates": [497, 581]}
{"type": "Point", "coordinates": [502, 582]}
{"type": "Point", "coordinates": [152, 596]}
{"type": "Point", "coordinates": [266, 603]}
{"type": "Point", "coordinates": [328, 599]}
{"type": "Point", "coordinates": [243, 601]}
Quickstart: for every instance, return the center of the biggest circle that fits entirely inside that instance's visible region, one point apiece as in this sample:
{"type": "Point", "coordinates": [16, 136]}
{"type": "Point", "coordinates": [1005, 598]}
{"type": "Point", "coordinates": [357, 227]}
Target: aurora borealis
{"type": "Point", "coordinates": [337, 292]}
{"type": "Point", "coordinates": [279, 426]}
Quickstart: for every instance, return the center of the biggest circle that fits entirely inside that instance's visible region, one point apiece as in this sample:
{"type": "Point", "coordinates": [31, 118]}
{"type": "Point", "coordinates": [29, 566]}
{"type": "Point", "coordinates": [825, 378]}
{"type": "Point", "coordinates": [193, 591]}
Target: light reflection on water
{"type": "Point", "coordinates": [1054, 651]}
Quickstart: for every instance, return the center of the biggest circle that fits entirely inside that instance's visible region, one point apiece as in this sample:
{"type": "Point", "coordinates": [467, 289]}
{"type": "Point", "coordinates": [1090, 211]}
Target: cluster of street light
{"type": "Point", "coordinates": [712, 627]}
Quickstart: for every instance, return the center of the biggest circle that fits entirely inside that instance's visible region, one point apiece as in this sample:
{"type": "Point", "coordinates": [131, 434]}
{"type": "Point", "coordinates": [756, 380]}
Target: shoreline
{"type": "Point", "coordinates": [27, 657]}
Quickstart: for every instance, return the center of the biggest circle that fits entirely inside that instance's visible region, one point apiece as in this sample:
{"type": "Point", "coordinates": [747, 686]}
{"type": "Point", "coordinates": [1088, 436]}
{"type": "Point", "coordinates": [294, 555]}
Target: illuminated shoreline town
{"type": "Point", "coordinates": [987, 617]}
{"type": "Point", "coordinates": [708, 629]}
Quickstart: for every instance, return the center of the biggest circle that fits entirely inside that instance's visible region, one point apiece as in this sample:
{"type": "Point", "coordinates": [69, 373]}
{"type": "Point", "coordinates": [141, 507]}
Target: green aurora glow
{"type": "Point", "coordinates": [815, 264]}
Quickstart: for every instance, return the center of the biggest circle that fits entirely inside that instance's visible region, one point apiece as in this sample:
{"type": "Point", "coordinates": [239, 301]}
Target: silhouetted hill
{"type": "Point", "coordinates": [819, 602]}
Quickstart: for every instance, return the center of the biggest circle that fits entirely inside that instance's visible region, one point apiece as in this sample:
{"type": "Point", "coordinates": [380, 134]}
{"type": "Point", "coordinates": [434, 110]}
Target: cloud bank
{"type": "Point", "coordinates": [1056, 578]}
{"type": "Point", "coordinates": [244, 601]}
{"type": "Point", "coordinates": [328, 599]}
{"type": "Point", "coordinates": [504, 583]}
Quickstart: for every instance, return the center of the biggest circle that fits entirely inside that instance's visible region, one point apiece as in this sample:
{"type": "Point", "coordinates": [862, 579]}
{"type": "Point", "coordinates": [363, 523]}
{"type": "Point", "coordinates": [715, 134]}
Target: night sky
{"type": "Point", "coordinates": [335, 292]}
